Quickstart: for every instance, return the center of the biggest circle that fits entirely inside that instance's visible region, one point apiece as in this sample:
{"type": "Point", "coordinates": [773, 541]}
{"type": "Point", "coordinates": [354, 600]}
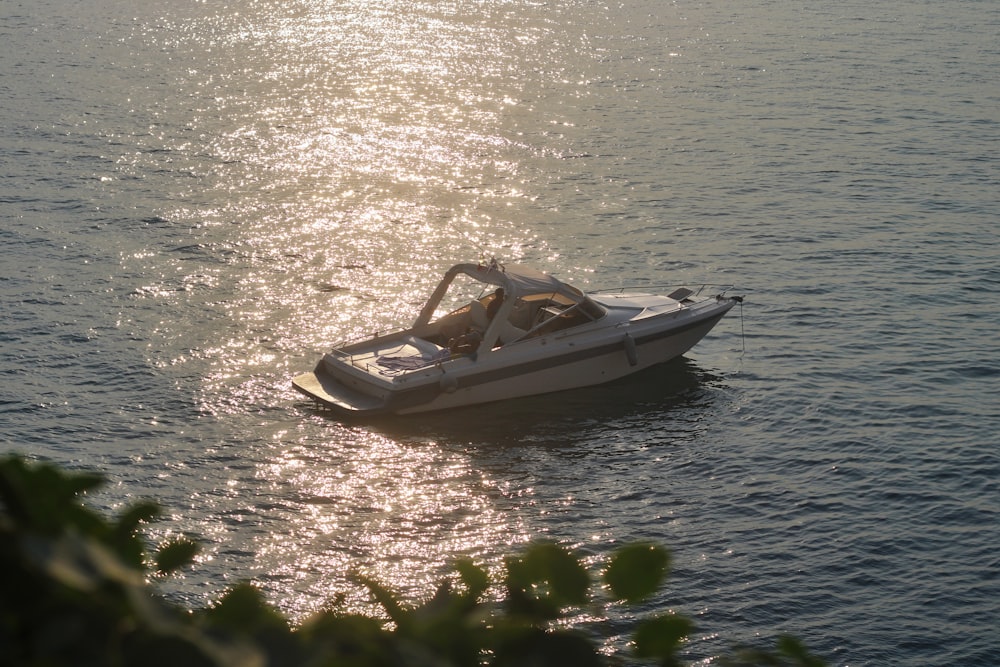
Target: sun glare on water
{"type": "Point", "coordinates": [345, 154]}
{"type": "Point", "coordinates": [375, 506]}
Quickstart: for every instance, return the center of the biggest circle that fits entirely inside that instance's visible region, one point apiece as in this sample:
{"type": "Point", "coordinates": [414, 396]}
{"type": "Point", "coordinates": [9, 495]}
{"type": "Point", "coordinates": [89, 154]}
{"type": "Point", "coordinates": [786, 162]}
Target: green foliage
{"type": "Point", "coordinates": [637, 571]}
{"type": "Point", "coordinates": [790, 653]}
{"type": "Point", "coordinates": [76, 592]}
{"type": "Point", "coordinates": [74, 589]}
{"type": "Point", "coordinates": [661, 636]}
{"type": "Point", "coordinates": [545, 580]}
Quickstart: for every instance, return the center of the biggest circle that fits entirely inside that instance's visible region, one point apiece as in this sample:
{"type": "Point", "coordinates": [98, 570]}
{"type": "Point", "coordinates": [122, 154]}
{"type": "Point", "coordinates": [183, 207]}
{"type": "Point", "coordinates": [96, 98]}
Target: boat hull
{"type": "Point", "coordinates": [534, 367]}
{"type": "Point", "coordinates": [570, 370]}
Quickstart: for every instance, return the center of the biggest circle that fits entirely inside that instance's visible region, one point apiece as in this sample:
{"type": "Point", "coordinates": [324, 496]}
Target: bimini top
{"type": "Point", "coordinates": [517, 281]}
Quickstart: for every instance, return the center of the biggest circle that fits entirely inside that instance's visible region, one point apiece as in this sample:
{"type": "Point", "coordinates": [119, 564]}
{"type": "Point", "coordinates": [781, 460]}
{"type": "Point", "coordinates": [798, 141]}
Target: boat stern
{"type": "Point", "coordinates": [329, 392]}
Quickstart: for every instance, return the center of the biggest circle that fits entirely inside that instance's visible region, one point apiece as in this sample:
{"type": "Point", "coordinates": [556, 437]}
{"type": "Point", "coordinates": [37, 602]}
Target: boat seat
{"type": "Point", "coordinates": [480, 321]}
{"type": "Point", "coordinates": [510, 333]}
{"type": "Point", "coordinates": [424, 347]}
{"type": "Point", "coordinates": [477, 315]}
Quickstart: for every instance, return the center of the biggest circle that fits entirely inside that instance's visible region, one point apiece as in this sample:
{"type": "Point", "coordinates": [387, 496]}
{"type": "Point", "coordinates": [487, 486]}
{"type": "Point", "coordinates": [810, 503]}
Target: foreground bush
{"type": "Point", "coordinates": [74, 593]}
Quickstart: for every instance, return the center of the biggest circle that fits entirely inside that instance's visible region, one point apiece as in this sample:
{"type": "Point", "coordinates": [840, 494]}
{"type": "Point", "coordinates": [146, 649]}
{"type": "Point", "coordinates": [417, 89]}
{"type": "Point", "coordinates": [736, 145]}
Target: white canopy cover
{"type": "Point", "coordinates": [517, 281]}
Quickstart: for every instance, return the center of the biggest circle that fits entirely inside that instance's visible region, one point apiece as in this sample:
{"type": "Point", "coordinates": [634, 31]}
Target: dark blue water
{"type": "Point", "coordinates": [197, 200]}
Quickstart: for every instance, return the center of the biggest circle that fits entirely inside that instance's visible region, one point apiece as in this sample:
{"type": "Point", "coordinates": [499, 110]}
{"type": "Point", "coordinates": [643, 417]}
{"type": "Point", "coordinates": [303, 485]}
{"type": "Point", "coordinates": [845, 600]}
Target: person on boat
{"type": "Point", "coordinates": [495, 303]}
{"type": "Point", "coordinates": [479, 317]}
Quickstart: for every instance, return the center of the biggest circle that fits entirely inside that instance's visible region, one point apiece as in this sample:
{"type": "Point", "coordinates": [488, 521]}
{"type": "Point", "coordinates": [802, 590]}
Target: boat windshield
{"type": "Point", "coordinates": [460, 293]}
{"type": "Point", "coordinates": [471, 295]}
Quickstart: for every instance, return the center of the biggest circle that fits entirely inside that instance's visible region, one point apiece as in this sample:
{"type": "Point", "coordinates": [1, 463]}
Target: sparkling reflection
{"type": "Point", "coordinates": [400, 512]}
{"type": "Point", "coordinates": [329, 160]}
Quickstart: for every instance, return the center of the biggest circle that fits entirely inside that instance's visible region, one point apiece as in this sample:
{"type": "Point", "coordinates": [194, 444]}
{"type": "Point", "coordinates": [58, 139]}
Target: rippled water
{"type": "Point", "coordinates": [198, 199]}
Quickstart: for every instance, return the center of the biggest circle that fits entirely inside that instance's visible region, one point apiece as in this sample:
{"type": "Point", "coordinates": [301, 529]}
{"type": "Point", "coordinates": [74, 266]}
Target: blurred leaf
{"type": "Point", "coordinates": [76, 483]}
{"type": "Point", "coordinates": [385, 597]}
{"type": "Point", "coordinates": [637, 571]}
{"type": "Point", "coordinates": [44, 498]}
{"type": "Point", "coordinates": [537, 647]}
{"type": "Point", "coordinates": [64, 560]}
{"type": "Point", "coordinates": [74, 592]}
{"type": "Point", "coordinates": [153, 650]}
{"type": "Point", "coordinates": [474, 577]}
{"type": "Point", "coordinates": [136, 514]}
{"type": "Point", "coordinates": [546, 579]}
{"type": "Point", "coordinates": [660, 637]}
{"type": "Point", "coordinates": [123, 536]}
{"type": "Point", "coordinates": [346, 639]}
{"type": "Point", "coordinates": [243, 609]}
{"type": "Point", "coordinates": [790, 653]}
{"type": "Point", "coordinates": [175, 555]}
{"type": "Point", "coordinates": [244, 614]}
{"type": "Point", "coordinates": [79, 562]}
{"type": "Point", "coordinates": [795, 649]}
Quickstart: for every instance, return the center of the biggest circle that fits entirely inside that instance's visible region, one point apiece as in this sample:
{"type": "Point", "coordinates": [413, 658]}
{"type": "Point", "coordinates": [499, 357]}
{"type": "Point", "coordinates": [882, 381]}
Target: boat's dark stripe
{"type": "Point", "coordinates": [575, 356]}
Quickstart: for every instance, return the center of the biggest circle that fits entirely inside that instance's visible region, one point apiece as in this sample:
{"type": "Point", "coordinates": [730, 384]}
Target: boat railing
{"type": "Point", "coordinates": [338, 348]}
{"type": "Point", "coordinates": [347, 358]}
{"type": "Point", "coordinates": [371, 364]}
{"type": "Point", "coordinates": [696, 291]}
{"type": "Point", "coordinates": [564, 314]}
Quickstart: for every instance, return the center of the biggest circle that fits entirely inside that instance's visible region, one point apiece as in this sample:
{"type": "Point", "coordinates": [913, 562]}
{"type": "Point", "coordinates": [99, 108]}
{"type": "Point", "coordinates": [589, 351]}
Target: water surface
{"type": "Point", "coordinates": [197, 200]}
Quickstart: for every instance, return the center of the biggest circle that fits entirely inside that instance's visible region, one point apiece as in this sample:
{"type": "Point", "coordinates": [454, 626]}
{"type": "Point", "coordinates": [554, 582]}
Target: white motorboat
{"type": "Point", "coordinates": [520, 332]}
